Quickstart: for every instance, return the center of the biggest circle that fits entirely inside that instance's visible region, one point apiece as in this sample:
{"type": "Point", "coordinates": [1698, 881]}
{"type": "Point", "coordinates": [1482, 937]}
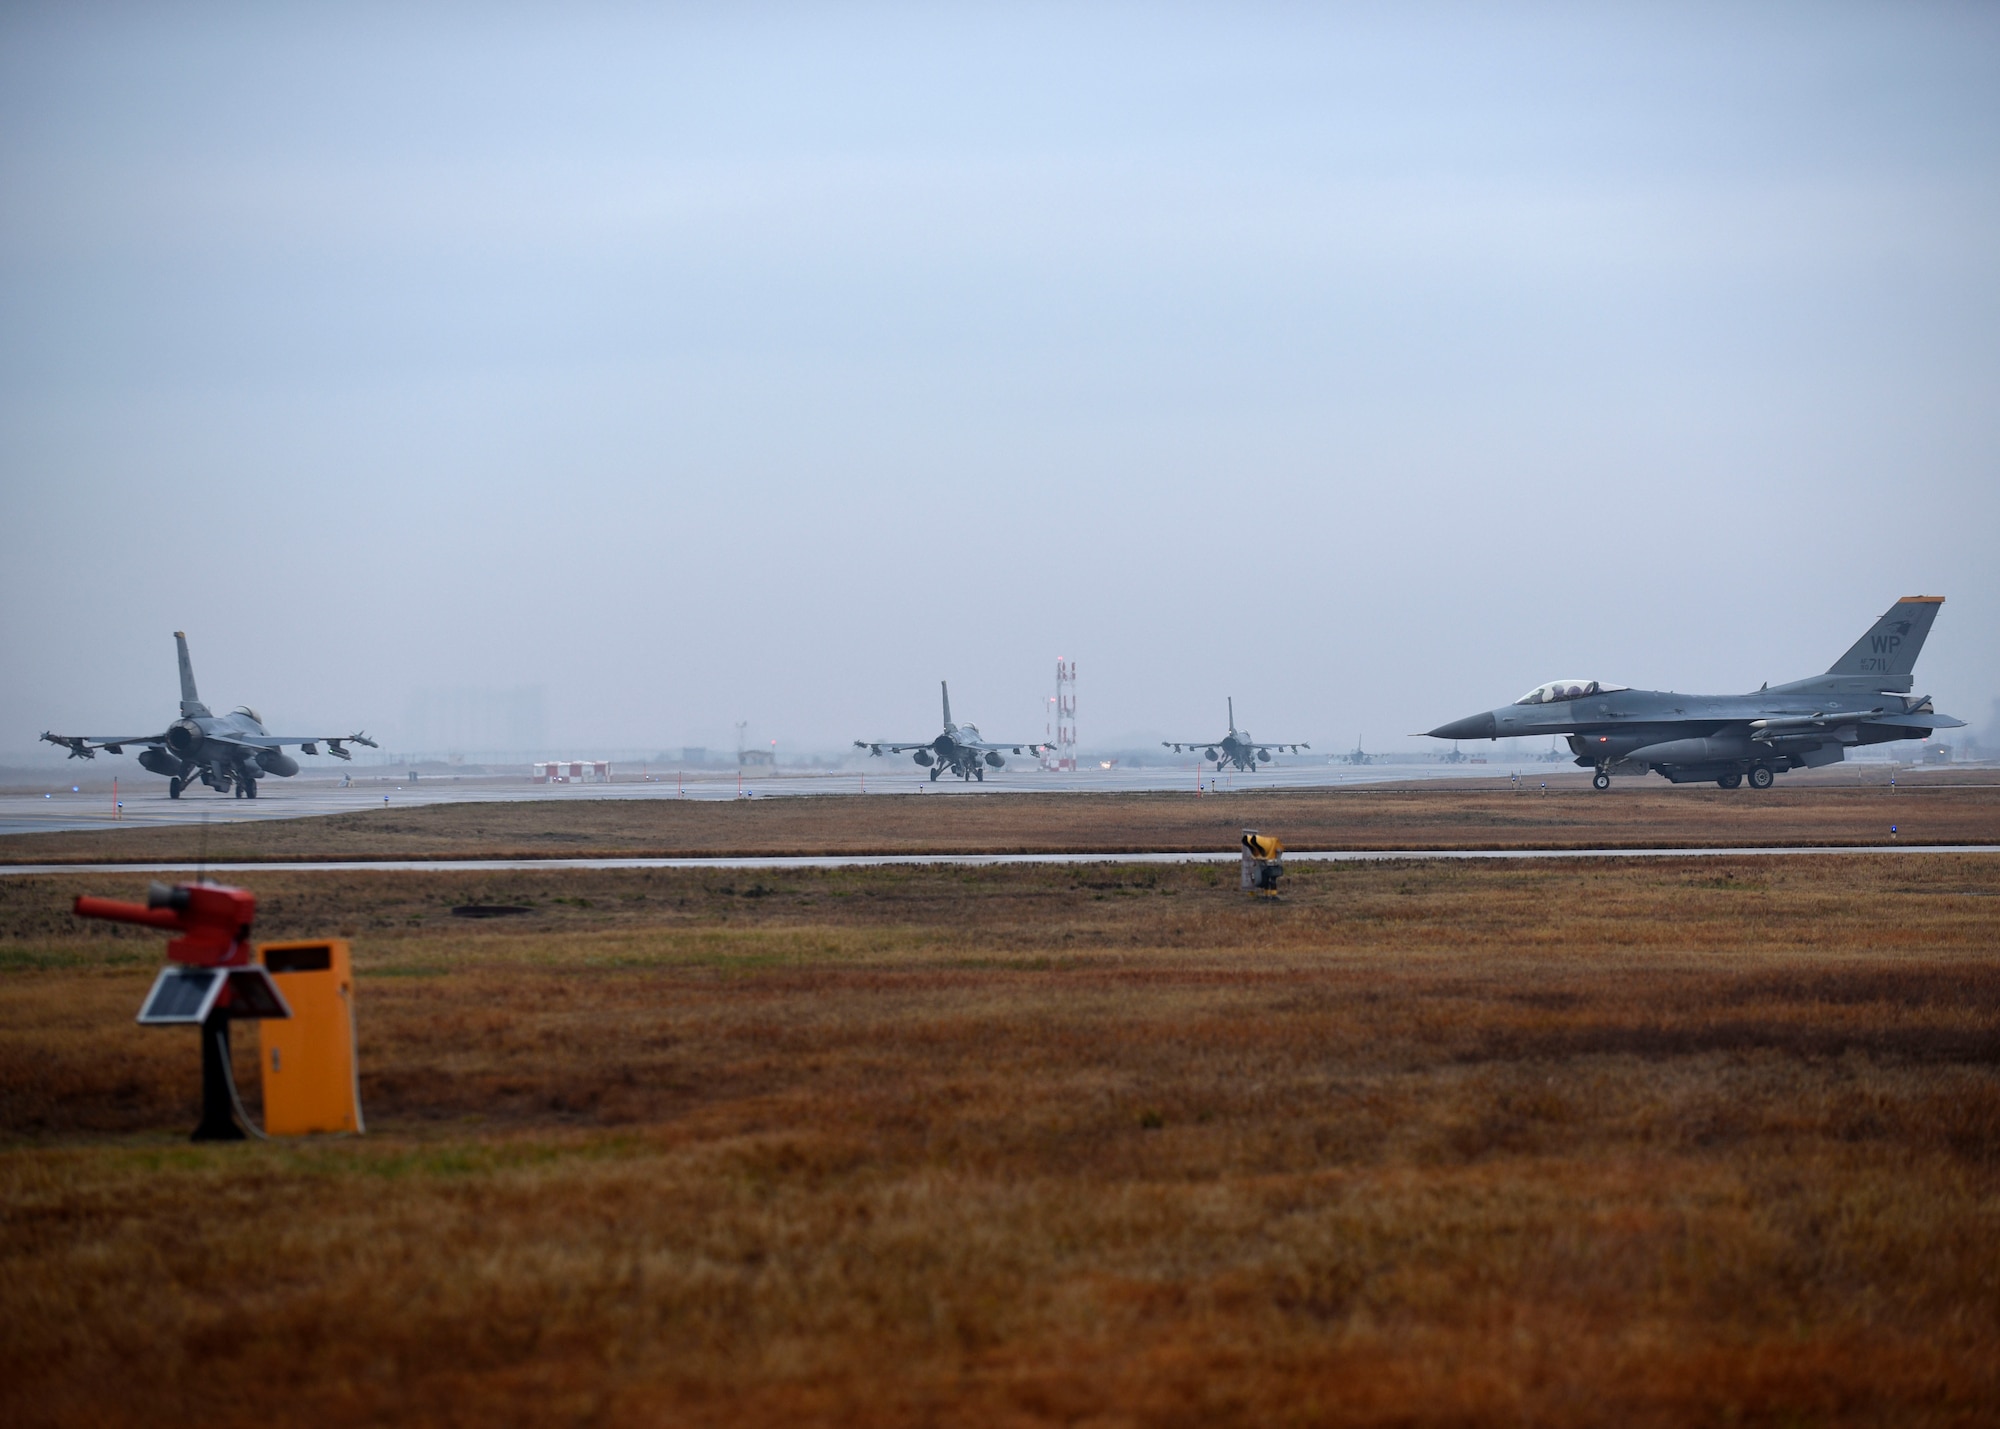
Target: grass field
{"type": "Point", "coordinates": [1422, 1143]}
{"type": "Point", "coordinates": [1416, 816]}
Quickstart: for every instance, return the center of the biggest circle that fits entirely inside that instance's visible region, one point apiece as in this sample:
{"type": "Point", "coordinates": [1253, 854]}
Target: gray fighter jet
{"type": "Point", "coordinates": [1235, 747]}
{"type": "Point", "coordinates": [1864, 699]}
{"type": "Point", "coordinates": [959, 750]}
{"type": "Point", "coordinates": [225, 752]}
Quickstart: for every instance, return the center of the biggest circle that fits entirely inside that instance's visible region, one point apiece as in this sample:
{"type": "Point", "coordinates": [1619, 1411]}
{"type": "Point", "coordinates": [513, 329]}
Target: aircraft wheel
{"type": "Point", "coordinates": [1729, 781]}
{"type": "Point", "coordinates": [982, 775]}
{"type": "Point", "coordinates": [1601, 781]}
{"type": "Point", "coordinates": [236, 790]}
{"type": "Point", "coordinates": [1760, 776]}
{"type": "Point", "coordinates": [250, 788]}
{"type": "Point", "coordinates": [934, 774]}
{"type": "Point", "coordinates": [174, 787]}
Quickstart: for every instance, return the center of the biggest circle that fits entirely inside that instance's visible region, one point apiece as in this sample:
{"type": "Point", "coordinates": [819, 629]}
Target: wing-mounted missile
{"type": "Point", "coordinates": [78, 747]}
{"type": "Point", "coordinates": [336, 749]}
{"type": "Point", "coordinates": [1766, 730]}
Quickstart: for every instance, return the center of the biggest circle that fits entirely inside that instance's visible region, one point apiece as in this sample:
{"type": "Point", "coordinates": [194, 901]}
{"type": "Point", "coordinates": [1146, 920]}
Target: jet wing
{"type": "Point", "coordinates": [307, 742]}
{"type": "Point", "coordinates": [1022, 748]}
{"type": "Point", "coordinates": [1287, 745]}
{"type": "Point", "coordinates": [85, 746]}
{"type": "Point", "coordinates": [883, 746]}
{"type": "Point", "coordinates": [1913, 719]}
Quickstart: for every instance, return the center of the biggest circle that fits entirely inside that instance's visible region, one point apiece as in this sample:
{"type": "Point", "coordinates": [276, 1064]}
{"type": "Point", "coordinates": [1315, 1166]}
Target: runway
{"type": "Point", "coordinates": [145, 804]}
{"type": "Point", "coordinates": [968, 860]}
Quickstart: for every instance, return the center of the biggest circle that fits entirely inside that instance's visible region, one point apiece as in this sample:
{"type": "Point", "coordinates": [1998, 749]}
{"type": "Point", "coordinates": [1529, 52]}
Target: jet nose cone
{"type": "Point", "coordinates": [1479, 726]}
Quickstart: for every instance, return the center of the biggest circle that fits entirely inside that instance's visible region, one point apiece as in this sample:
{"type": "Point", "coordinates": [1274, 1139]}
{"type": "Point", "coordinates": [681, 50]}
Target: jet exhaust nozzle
{"type": "Point", "coordinates": [184, 737]}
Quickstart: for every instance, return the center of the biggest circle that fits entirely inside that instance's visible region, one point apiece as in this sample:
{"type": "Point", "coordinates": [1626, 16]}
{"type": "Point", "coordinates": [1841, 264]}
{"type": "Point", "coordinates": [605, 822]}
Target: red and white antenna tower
{"type": "Point", "coordinates": [1065, 707]}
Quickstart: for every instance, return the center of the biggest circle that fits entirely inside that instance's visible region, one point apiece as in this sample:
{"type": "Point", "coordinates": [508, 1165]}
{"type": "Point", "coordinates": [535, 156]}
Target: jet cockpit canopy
{"type": "Point", "coordinates": [255, 718]}
{"type": "Point", "coordinates": [1556, 691]}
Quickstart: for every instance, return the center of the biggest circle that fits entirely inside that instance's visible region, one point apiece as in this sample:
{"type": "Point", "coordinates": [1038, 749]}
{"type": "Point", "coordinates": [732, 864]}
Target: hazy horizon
{"type": "Point", "coordinates": [1367, 365]}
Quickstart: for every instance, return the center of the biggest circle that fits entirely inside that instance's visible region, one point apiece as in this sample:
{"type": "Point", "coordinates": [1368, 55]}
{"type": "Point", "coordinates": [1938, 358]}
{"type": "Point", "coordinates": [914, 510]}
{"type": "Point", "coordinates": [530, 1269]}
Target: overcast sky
{"type": "Point", "coordinates": [1371, 365]}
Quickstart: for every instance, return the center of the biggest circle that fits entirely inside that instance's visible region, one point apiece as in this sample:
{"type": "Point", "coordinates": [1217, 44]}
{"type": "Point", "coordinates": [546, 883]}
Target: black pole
{"type": "Point", "coordinates": [218, 1117]}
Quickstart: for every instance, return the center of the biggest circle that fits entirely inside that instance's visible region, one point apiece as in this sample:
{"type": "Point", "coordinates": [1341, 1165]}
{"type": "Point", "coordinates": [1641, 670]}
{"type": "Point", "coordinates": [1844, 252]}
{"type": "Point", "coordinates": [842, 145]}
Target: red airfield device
{"type": "Point", "coordinates": [216, 920]}
{"type": "Point", "coordinates": [214, 979]}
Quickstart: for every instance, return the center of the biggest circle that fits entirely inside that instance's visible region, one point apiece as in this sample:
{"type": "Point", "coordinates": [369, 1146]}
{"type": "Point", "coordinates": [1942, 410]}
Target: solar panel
{"type": "Point", "coordinates": [253, 994]}
{"type": "Point", "coordinates": [181, 995]}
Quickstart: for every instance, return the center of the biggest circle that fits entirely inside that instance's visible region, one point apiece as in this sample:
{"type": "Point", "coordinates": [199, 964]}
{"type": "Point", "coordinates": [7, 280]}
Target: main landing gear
{"type": "Point", "coordinates": [246, 788]}
{"type": "Point", "coordinates": [1760, 776]}
{"type": "Point", "coordinates": [1729, 781]}
{"type": "Point", "coordinates": [1601, 781]}
{"type": "Point", "coordinates": [174, 787]}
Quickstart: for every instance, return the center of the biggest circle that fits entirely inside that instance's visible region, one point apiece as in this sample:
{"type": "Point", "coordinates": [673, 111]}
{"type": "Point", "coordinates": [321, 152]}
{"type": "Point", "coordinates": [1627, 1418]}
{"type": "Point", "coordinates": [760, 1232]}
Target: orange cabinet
{"type": "Point", "coordinates": [312, 1078]}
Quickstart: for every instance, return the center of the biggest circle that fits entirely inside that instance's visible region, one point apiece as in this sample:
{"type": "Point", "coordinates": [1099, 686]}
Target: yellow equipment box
{"type": "Point", "coordinates": [312, 1078]}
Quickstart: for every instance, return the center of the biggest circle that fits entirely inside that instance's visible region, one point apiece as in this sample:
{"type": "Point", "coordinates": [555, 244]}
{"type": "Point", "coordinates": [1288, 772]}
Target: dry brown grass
{"type": "Point", "coordinates": [1634, 814]}
{"type": "Point", "coordinates": [1598, 1143]}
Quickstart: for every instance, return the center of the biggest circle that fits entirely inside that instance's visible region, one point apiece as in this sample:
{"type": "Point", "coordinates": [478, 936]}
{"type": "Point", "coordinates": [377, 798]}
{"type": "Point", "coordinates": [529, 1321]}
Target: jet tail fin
{"type": "Point", "coordinates": [190, 701]}
{"type": "Point", "coordinates": [1232, 714]}
{"type": "Point", "coordinates": [947, 702]}
{"type": "Point", "coordinates": [1886, 656]}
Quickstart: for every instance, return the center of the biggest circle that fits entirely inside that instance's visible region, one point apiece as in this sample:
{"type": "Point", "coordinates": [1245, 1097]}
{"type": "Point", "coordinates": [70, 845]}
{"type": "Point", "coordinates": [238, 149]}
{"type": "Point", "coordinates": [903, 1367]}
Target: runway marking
{"type": "Point", "coordinates": [972, 860]}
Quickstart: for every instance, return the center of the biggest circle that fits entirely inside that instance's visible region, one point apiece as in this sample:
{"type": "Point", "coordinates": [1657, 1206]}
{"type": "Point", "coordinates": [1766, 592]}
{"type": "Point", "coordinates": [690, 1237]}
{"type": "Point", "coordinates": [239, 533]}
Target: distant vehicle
{"type": "Point", "coordinates": [1356, 755]}
{"type": "Point", "coordinates": [1864, 699]}
{"type": "Point", "coordinates": [225, 752]}
{"type": "Point", "coordinates": [958, 750]}
{"type": "Point", "coordinates": [1236, 747]}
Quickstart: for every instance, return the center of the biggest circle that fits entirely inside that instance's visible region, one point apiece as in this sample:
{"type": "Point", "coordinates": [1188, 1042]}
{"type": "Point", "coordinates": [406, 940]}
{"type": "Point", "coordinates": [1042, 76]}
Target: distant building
{"type": "Point", "coordinates": [573, 771]}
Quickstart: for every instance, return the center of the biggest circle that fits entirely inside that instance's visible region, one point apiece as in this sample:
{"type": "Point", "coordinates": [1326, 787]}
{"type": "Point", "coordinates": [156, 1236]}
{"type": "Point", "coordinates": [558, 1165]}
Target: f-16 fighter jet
{"type": "Point", "coordinates": [1864, 699]}
{"type": "Point", "coordinates": [225, 752]}
{"type": "Point", "coordinates": [1235, 747]}
{"type": "Point", "coordinates": [959, 750]}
